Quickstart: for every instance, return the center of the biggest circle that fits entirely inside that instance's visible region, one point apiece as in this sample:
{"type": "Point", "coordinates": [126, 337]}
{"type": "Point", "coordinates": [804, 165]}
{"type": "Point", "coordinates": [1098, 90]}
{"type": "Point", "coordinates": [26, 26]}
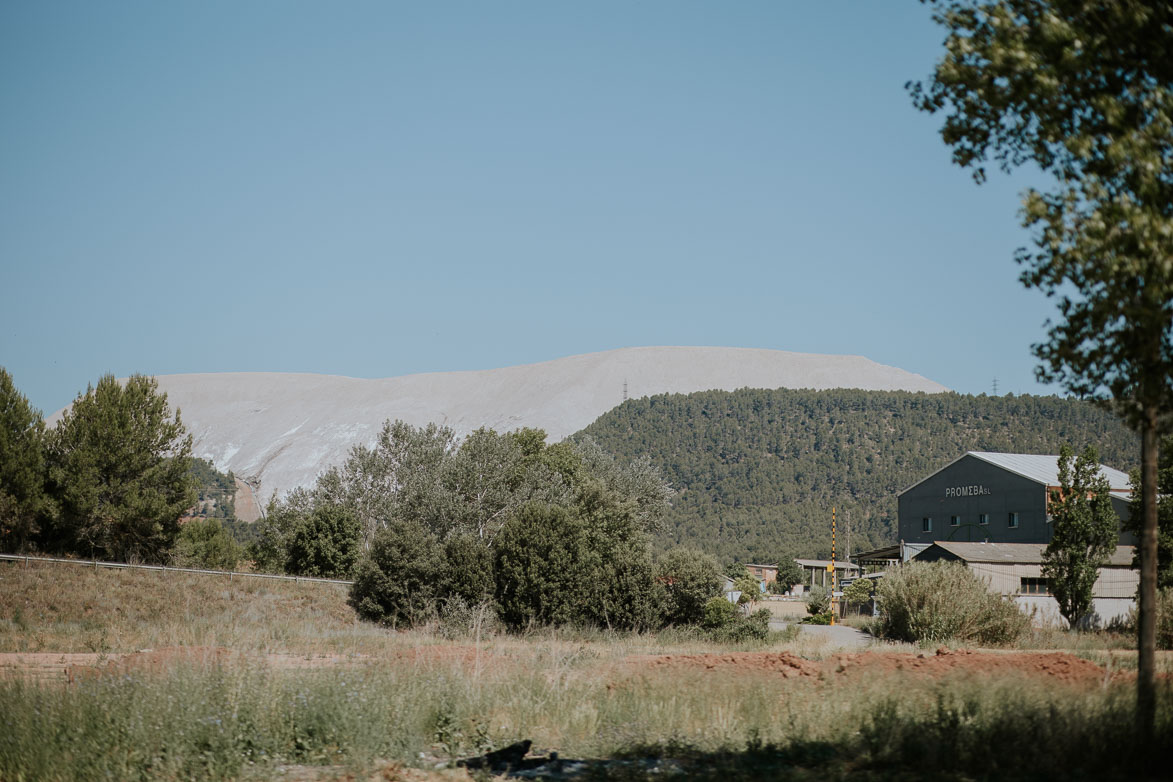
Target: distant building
{"type": "Point", "coordinates": [816, 572]}
{"type": "Point", "coordinates": [1016, 569]}
{"type": "Point", "coordinates": [763, 573]}
{"type": "Point", "coordinates": [995, 497]}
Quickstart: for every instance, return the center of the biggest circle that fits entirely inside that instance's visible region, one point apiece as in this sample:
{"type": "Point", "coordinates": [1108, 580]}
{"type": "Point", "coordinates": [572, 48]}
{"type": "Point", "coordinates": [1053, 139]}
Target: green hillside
{"type": "Point", "coordinates": [757, 471]}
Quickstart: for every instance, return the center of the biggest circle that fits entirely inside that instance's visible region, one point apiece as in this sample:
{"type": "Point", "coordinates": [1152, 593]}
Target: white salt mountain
{"type": "Point", "coordinates": [279, 431]}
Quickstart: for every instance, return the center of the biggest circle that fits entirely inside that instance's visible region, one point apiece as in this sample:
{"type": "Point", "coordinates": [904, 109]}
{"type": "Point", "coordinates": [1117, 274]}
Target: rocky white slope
{"type": "Point", "coordinates": [279, 431]}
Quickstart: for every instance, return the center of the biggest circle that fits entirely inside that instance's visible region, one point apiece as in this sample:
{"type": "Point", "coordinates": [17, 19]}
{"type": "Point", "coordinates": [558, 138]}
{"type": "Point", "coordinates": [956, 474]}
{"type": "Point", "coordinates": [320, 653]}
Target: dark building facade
{"type": "Point", "coordinates": [995, 497]}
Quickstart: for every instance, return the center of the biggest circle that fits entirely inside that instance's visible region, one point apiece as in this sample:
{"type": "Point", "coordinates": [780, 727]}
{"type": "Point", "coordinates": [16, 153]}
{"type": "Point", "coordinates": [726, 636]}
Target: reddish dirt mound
{"type": "Point", "coordinates": [1057, 666]}
{"type": "Point", "coordinates": [788, 665]}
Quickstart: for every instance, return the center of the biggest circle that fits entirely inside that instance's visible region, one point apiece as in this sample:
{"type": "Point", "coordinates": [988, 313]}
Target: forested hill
{"type": "Point", "coordinates": [757, 471]}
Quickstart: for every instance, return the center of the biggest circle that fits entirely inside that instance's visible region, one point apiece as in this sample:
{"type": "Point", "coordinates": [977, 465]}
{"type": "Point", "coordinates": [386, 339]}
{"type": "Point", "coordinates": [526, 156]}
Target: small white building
{"type": "Point", "coordinates": [1016, 569]}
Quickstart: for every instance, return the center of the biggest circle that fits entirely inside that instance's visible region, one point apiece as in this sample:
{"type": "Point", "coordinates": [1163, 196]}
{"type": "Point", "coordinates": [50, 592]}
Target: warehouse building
{"type": "Point", "coordinates": [1016, 570]}
{"type": "Point", "coordinates": [993, 497]}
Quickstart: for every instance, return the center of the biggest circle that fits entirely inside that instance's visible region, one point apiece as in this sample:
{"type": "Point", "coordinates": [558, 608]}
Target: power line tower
{"type": "Point", "coordinates": [624, 389]}
{"type": "Point", "coordinates": [995, 386]}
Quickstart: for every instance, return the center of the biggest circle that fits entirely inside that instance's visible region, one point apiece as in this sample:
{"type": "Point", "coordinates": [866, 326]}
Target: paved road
{"type": "Point", "coordinates": [837, 637]}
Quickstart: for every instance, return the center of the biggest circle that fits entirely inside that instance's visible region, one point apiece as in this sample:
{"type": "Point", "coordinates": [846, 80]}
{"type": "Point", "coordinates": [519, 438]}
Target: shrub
{"type": "Point", "coordinates": [326, 544]}
{"type": "Point", "coordinates": [859, 591]}
{"type": "Point", "coordinates": [937, 601]}
{"type": "Point", "coordinates": [818, 600]}
{"type": "Point", "coordinates": [397, 583]}
{"type": "Point", "coordinates": [690, 579]}
{"type": "Point", "coordinates": [719, 613]}
{"type": "Point", "coordinates": [468, 570]}
{"type": "Point", "coordinates": [725, 623]}
{"type": "Point", "coordinates": [553, 567]}
{"type": "Point", "coordinates": [205, 543]}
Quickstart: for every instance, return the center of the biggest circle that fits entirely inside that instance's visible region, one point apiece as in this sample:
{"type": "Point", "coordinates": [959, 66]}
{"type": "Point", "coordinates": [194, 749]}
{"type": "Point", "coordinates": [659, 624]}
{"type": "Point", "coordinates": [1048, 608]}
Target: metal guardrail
{"type": "Point", "coordinates": [97, 563]}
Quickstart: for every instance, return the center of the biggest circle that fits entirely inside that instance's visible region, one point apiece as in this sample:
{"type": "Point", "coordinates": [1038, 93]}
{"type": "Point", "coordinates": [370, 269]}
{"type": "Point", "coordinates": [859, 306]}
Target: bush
{"type": "Point", "coordinates": [818, 600]}
{"type": "Point", "coordinates": [938, 601]}
{"type": "Point", "coordinates": [553, 567]}
{"type": "Point", "coordinates": [719, 613]}
{"type": "Point", "coordinates": [205, 543]}
{"type": "Point", "coordinates": [326, 544]}
{"type": "Point", "coordinates": [468, 571]}
{"type": "Point", "coordinates": [725, 623]}
{"type": "Point", "coordinates": [398, 582]}
{"type": "Point", "coordinates": [690, 579]}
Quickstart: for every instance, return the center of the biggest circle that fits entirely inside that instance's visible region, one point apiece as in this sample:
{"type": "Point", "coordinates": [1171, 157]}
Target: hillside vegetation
{"type": "Point", "coordinates": [757, 471]}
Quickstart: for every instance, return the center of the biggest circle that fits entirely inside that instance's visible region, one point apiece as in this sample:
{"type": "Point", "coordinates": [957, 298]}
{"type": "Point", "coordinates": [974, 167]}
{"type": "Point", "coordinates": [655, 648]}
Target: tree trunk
{"type": "Point", "coordinates": [1146, 675]}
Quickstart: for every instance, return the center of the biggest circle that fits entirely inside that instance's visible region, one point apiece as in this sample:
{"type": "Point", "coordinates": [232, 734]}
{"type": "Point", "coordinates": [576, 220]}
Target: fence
{"type": "Point", "coordinates": [95, 563]}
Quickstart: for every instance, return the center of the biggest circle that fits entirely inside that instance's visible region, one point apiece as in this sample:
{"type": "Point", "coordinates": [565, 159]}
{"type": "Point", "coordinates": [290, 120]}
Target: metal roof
{"type": "Point", "coordinates": [1017, 553]}
{"type": "Point", "coordinates": [1039, 468]}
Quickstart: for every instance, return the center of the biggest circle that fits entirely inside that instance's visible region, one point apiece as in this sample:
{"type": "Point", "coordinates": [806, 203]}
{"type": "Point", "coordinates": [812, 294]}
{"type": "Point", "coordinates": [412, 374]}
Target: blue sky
{"type": "Point", "coordinates": [381, 188]}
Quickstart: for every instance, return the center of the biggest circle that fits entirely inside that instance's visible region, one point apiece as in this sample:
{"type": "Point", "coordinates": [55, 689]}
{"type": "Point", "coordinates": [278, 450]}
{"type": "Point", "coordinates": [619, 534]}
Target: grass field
{"type": "Point", "coordinates": [275, 680]}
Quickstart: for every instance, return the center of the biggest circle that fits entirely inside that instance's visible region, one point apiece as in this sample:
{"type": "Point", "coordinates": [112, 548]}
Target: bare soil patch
{"type": "Point", "coordinates": [1060, 667]}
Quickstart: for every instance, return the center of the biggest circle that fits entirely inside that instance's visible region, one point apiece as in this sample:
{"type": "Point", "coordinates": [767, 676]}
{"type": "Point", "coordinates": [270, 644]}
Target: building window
{"type": "Point", "coordinates": [1012, 520]}
{"type": "Point", "coordinates": [984, 518]}
{"type": "Point", "coordinates": [926, 524]}
{"type": "Point", "coordinates": [954, 521]}
{"type": "Point", "coordinates": [1033, 586]}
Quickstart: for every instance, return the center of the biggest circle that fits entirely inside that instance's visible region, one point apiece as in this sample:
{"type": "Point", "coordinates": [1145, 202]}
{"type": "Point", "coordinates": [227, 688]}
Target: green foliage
{"type": "Point", "coordinates": [719, 613]}
{"type": "Point", "coordinates": [690, 578]}
{"type": "Point", "coordinates": [750, 589]}
{"type": "Point", "coordinates": [941, 601]}
{"type": "Point", "coordinates": [725, 623]}
{"type": "Point", "coordinates": [399, 582]}
{"type": "Point", "coordinates": [215, 491]}
{"type": "Point", "coordinates": [1083, 91]}
{"type": "Point", "coordinates": [1164, 515]}
{"type": "Point", "coordinates": [206, 543]}
{"type": "Point", "coordinates": [325, 544]}
{"type": "Point", "coordinates": [818, 600]}
{"type": "Point", "coordinates": [575, 523]}
{"type": "Point", "coordinates": [757, 470]}
{"type": "Point", "coordinates": [24, 502]}
{"type": "Point", "coordinates": [859, 591]}
{"type": "Point", "coordinates": [1084, 531]}
{"type": "Point", "coordinates": [469, 572]}
{"type": "Point", "coordinates": [789, 574]}
{"type": "Point", "coordinates": [120, 464]}
{"type": "Point", "coordinates": [553, 567]}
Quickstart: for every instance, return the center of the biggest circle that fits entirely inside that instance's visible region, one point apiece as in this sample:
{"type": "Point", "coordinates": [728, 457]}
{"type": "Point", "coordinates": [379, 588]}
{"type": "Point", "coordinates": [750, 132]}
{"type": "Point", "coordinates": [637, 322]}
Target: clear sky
{"type": "Point", "coordinates": [382, 188]}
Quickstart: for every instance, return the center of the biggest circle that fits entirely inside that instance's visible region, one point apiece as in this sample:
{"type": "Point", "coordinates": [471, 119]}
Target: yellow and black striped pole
{"type": "Point", "coordinates": [834, 573]}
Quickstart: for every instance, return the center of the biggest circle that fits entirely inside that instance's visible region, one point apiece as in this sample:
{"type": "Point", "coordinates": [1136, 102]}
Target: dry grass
{"type": "Point", "coordinates": [407, 693]}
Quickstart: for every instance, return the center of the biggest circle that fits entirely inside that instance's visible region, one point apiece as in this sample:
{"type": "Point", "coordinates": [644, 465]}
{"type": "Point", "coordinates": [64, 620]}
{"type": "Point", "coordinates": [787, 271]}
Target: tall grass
{"type": "Point", "coordinates": [220, 722]}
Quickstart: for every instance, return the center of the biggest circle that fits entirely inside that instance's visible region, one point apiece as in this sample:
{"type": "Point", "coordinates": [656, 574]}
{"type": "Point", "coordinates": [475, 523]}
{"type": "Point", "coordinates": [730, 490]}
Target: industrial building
{"type": "Point", "coordinates": [992, 497]}
{"type": "Point", "coordinates": [1015, 569]}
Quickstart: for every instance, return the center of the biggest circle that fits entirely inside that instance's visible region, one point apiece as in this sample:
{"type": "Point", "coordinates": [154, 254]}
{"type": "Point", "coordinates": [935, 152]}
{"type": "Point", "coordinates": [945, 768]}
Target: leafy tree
{"type": "Point", "coordinates": [119, 462]}
{"type": "Point", "coordinates": [206, 543]}
{"type": "Point", "coordinates": [399, 582]}
{"type": "Point", "coordinates": [544, 565]}
{"type": "Point", "coordinates": [325, 544]}
{"type": "Point", "coordinates": [23, 499]}
{"type": "Point", "coordinates": [275, 529]}
{"type": "Point", "coordinates": [859, 592]}
{"type": "Point", "coordinates": [468, 569]}
{"type": "Point", "coordinates": [750, 589]}
{"type": "Point", "coordinates": [1164, 515]}
{"type": "Point", "coordinates": [1084, 91]}
{"type": "Point", "coordinates": [789, 573]}
{"type": "Point", "coordinates": [1084, 531]}
{"type": "Point", "coordinates": [690, 579]}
